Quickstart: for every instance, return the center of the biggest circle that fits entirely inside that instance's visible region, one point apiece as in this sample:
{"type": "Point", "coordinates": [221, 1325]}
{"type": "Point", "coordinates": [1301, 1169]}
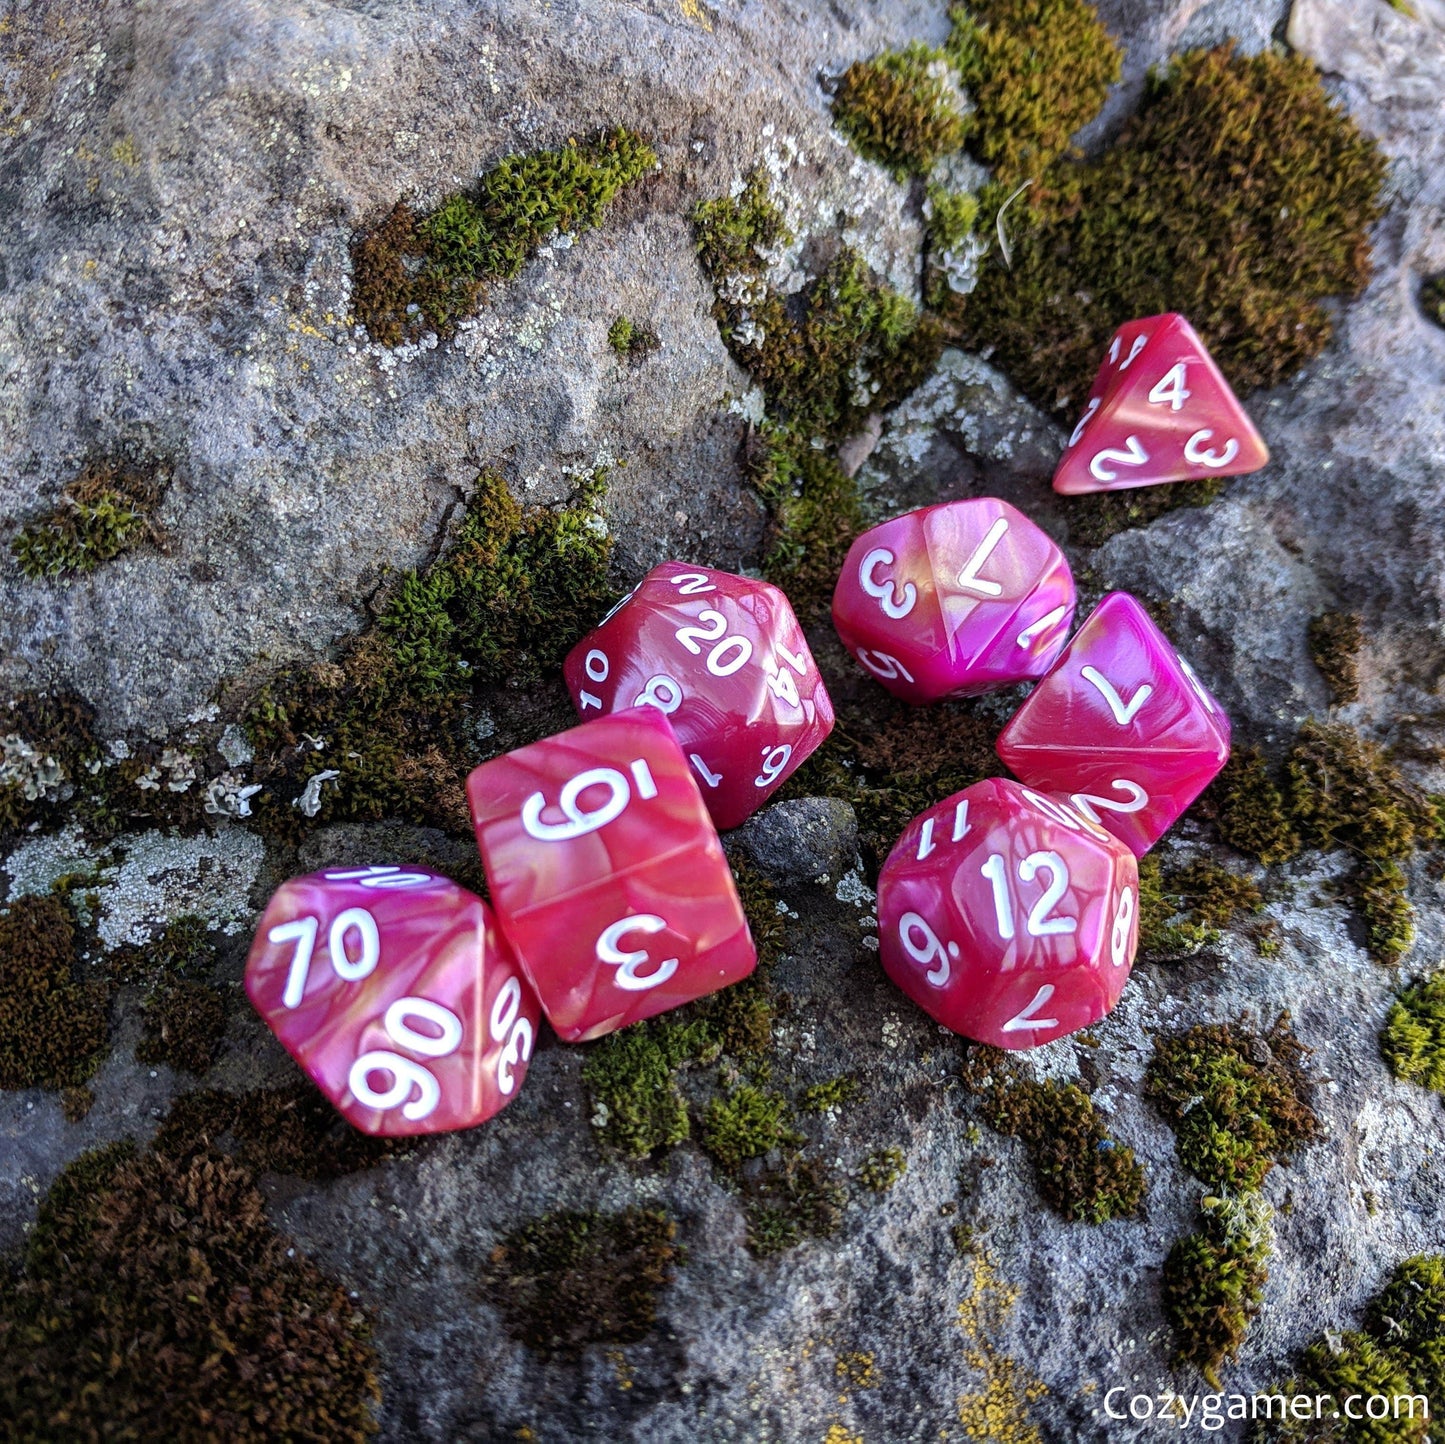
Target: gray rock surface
{"type": "Point", "coordinates": [181, 182]}
{"type": "Point", "coordinates": [807, 839]}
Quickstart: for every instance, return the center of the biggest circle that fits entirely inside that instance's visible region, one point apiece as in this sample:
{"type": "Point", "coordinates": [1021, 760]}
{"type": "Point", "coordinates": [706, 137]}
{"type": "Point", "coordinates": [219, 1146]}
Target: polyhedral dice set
{"type": "Point", "coordinates": [1008, 912]}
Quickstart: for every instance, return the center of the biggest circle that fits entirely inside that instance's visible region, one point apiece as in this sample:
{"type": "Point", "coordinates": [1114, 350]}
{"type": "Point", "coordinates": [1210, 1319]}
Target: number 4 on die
{"type": "Point", "coordinates": [1159, 410]}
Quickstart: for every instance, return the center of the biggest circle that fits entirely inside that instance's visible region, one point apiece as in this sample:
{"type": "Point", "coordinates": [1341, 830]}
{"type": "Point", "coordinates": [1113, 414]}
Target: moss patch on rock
{"type": "Point", "coordinates": [1412, 1041]}
{"type": "Point", "coordinates": [631, 340]}
{"type": "Point", "coordinates": [1183, 909]}
{"type": "Point", "coordinates": [882, 1169]}
{"type": "Point", "coordinates": [1250, 809]}
{"type": "Point", "coordinates": [1379, 892]}
{"type": "Point", "coordinates": [569, 1279]}
{"type": "Point", "coordinates": [901, 109]}
{"type": "Point", "coordinates": [154, 1300]}
{"type": "Point", "coordinates": [387, 731]}
{"type": "Point", "coordinates": [1083, 1172]}
{"type": "Point", "coordinates": [1037, 71]}
{"type": "Point", "coordinates": [1213, 1283]}
{"type": "Point", "coordinates": [1335, 639]}
{"type": "Point", "coordinates": [108, 509]}
{"type": "Point", "coordinates": [52, 1021]}
{"type": "Point", "coordinates": [1239, 1102]}
{"type": "Point", "coordinates": [414, 274]}
{"type": "Point", "coordinates": [1432, 299]}
{"type": "Point", "coordinates": [746, 1123]}
{"type": "Point", "coordinates": [47, 750]}
{"type": "Point", "coordinates": [1239, 194]}
{"type": "Point", "coordinates": [184, 1012]}
{"type": "Point", "coordinates": [786, 1202]}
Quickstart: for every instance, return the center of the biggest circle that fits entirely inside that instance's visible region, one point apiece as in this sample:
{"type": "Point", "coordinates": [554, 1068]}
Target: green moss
{"type": "Point", "coordinates": [1335, 639]}
{"type": "Point", "coordinates": [1037, 70]}
{"type": "Point", "coordinates": [1413, 1039]}
{"type": "Point", "coordinates": [413, 274]}
{"type": "Point", "coordinates": [746, 1123]}
{"type": "Point", "coordinates": [882, 1169]}
{"type": "Point", "coordinates": [1096, 516]}
{"type": "Point", "coordinates": [1239, 194]}
{"type": "Point", "coordinates": [1379, 893]}
{"type": "Point", "coordinates": [569, 1279]}
{"type": "Point", "coordinates": [792, 1200]}
{"type": "Point", "coordinates": [631, 1074]}
{"type": "Point", "coordinates": [105, 511]}
{"type": "Point", "coordinates": [291, 1129]}
{"type": "Point", "coordinates": [901, 109]}
{"type": "Point", "coordinates": [52, 1024]}
{"type": "Point", "coordinates": [950, 216]}
{"type": "Point", "coordinates": [735, 233]}
{"type": "Point", "coordinates": [831, 1093]}
{"type": "Point", "coordinates": [1239, 1102]}
{"type": "Point", "coordinates": [1250, 809]}
{"type": "Point", "coordinates": [1345, 792]}
{"type": "Point", "coordinates": [1082, 1170]}
{"type": "Point", "coordinates": [504, 603]}
{"type": "Point", "coordinates": [630, 340]}
{"type": "Point", "coordinates": [1432, 298]}
{"type": "Point", "coordinates": [1182, 910]}
{"type": "Point", "coordinates": [1213, 1283]}
{"type": "Point", "coordinates": [155, 1301]}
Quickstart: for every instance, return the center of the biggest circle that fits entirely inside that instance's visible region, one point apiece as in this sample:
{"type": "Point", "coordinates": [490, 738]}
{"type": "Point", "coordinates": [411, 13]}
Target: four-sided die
{"type": "Point", "coordinates": [724, 659]}
{"type": "Point", "coordinates": [1008, 916]}
{"type": "Point", "coordinates": [1159, 410]}
{"type": "Point", "coordinates": [1122, 725]}
{"type": "Point", "coordinates": [953, 600]}
{"type": "Point", "coordinates": [393, 989]}
{"type": "Point", "coordinates": [607, 874]}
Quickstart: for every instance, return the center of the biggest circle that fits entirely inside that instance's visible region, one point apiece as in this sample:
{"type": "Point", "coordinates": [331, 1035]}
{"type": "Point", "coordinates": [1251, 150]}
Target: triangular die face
{"type": "Point", "coordinates": [1125, 347]}
{"type": "Point", "coordinates": [1169, 416]}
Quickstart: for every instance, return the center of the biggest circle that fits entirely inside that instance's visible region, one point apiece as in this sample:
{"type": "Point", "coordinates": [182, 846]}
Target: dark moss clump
{"type": "Point", "coordinates": [795, 1199]}
{"type": "Point", "coordinates": [747, 1123]}
{"type": "Point", "coordinates": [1214, 1281]}
{"type": "Point", "coordinates": [1413, 1039]}
{"type": "Point", "coordinates": [901, 109]}
{"type": "Point", "coordinates": [735, 233]}
{"type": "Point", "coordinates": [512, 592]}
{"type": "Point", "coordinates": [1182, 910]}
{"type": "Point", "coordinates": [414, 274]}
{"type": "Point", "coordinates": [631, 1075]}
{"type": "Point", "coordinates": [1345, 792]}
{"type": "Point", "coordinates": [1410, 1309]}
{"type": "Point", "coordinates": [882, 1169]}
{"type": "Point", "coordinates": [632, 341]}
{"type": "Point", "coordinates": [1239, 194]}
{"type": "Point", "coordinates": [47, 750]}
{"type": "Point", "coordinates": [1037, 70]}
{"type": "Point", "coordinates": [1082, 1170]}
{"type": "Point", "coordinates": [1335, 640]}
{"type": "Point", "coordinates": [105, 511]}
{"type": "Point", "coordinates": [52, 1024]}
{"type": "Point", "coordinates": [570, 1279]}
{"type": "Point", "coordinates": [155, 1301]}
{"type": "Point", "coordinates": [272, 1130]}
{"type": "Point", "coordinates": [891, 760]}
{"type": "Point", "coordinates": [1432, 299]}
{"type": "Point", "coordinates": [1095, 517]}
{"type": "Point", "coordinates": [184, 1012]}
{"type": "Point", "coordinates": [1251, 810]}
{"type": "Point", "coordinates": [1239, 1102]}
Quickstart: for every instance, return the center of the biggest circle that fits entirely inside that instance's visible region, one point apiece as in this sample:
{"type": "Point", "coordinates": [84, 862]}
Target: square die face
{"type": "Point", "coordinates": [555, 817]}
{"type": "Point", "coordinates": [641, 943]}
{"type": "Point", "coordinates": [724, 659]}
{"type": "Point", "coordinates": [1121, 724]}
{"type": "Point", "coordinates": [402, 1003]}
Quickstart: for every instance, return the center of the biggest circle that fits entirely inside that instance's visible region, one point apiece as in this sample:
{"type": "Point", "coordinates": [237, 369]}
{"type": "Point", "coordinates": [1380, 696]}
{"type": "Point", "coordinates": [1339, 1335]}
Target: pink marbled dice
{"type": "Point", "coordinates": [724, 659]}
{"type": "Point", "coordinates": [394, 990]}
{"type": "Point", "coordinates": [954, 600]}
{"type": "Point", "coordinates": [607, 874]}
{"type": "Point", "coordinates": [1122, 725]}
{"type": "Point", "coordinates": [1008, 916]}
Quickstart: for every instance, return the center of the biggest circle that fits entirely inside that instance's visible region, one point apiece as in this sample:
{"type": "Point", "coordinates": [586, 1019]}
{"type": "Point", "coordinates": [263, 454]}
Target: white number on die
{"type": "Point", "coordinates": [692, 584]}
{"type": "Point", "coordinates": [1077, 435]}
{"type": "Point", "coordinates": [580, 822]}
{"type": "Point", "coordinates": [1135, 455]}
{"type": "Point", "coordinates": [736, 650]}
{"type": "Point", "coordinates": [882, 665]}
{"type": "Point", "coordinates": [302, 932]}
{"type": "Point", "coordinates": [1088, 804]}
{"type": "Point", "coordinates": [508, 1025]}
{"type": "Point", "coordinates": [894, 600]}
{"type": "Point", "coordinates": [598, 669]}
{"type": "Point", "coordinates": [923, 945]}
{"type": "Point", "coordinates": [407, 1075]}
{"type": "Point", "coordinates": [1124, 712]}
{"type": "Point", "coordinates": [1039, 923]}
{"type": "Point", "coordinates": [1169, 390]}
{"type": "Point", "coordinates": [1025, 1020]}
{"type": "Point", "coordinates": [775, 759]}
{"type": "Point", "coordinates": [661, 692]}
{"type": "Point", "coordinates": [609, 951]}
{"type": "Point", "coordinates": [379, 876]}
{"type": "Point", "coordinates": [1197, 454]}
{"type": "Point", "coordinates": [1119, 936]}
